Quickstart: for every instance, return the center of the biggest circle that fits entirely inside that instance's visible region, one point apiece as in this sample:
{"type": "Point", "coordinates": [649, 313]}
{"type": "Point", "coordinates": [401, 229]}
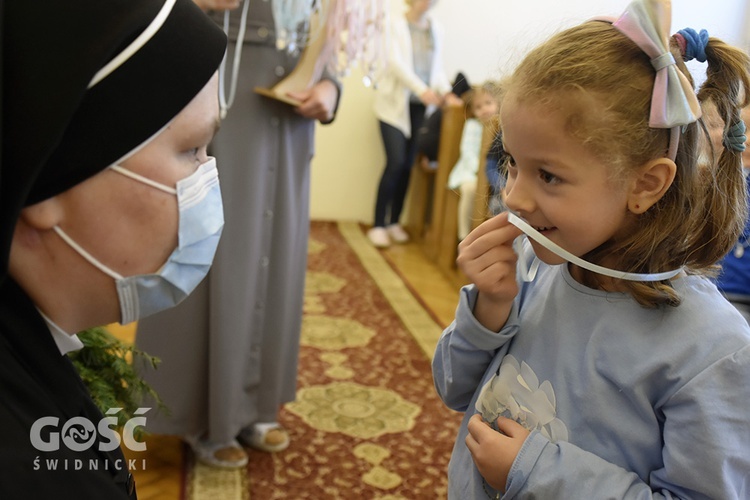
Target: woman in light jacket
{"type": "Point", "coordinates": [413, 80]}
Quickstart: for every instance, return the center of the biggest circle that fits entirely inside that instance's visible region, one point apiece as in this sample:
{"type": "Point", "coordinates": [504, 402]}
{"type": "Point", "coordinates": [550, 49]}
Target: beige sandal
{"type": "Point", "coordinates": [269, 437]}
{"type": "Point", "coordinates": [224, 455]}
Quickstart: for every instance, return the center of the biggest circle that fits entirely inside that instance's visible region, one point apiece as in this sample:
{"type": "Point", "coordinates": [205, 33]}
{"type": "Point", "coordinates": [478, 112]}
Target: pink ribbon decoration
{"type": "Point", "coordinates": [647, 23]}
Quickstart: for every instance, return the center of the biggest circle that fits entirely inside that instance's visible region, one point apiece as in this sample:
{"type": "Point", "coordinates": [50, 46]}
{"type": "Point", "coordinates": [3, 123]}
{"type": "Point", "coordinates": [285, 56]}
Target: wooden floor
{"type": "Point", "coordinates": [164, 456]}
{"type": "Point", "coordinates": [438, 292]}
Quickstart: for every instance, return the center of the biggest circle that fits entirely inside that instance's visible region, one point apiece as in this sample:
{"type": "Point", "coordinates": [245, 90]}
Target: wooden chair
{"type": "Point", "coordinates": [448, 244]}
{"type": "Point", "coordinates": [421, 189]}
{"type": "Point", "coordinates": [448, 154]}
{"type": "Point", "coordinates": [422, 182]}
{"type": "Point", "coordinates": [447, 249]}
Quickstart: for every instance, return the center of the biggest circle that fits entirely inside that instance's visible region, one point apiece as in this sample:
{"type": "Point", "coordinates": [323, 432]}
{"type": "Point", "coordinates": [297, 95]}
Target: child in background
{"type": "Point", "coordinates": [610, 364]}
{"type": "Point", "coordinates": [495, 175]}
{"type": "Point", "coordinates": [734, 280]}
{"type": "Point", "coordinates": [483, 106]}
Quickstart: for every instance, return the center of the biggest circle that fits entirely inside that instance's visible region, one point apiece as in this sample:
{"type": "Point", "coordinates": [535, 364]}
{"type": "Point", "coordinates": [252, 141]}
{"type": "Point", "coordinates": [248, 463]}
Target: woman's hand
{"type": "Point", "coordinates": [430, 98]}
{"type": "Point", "coordinates": [453, 101]}
{"type": "Point", "coordinates": [317, 102]}
{"type": "Point", "coordinates": [494, 452]}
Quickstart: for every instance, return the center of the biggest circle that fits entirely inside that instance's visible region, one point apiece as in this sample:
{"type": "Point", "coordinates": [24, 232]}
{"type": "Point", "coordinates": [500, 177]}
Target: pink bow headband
{"type": "Point", "coordinates": [673, 101]}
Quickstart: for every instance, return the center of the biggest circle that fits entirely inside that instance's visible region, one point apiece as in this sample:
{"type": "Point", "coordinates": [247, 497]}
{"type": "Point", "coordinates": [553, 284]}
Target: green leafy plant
{"type": "Point", "coordinates": [107, 367]}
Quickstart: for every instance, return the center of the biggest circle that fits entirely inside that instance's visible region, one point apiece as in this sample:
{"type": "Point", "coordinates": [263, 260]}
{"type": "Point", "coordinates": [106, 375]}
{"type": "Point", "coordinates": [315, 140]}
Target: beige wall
{"type": "Point", "coordinates": [348, 159]}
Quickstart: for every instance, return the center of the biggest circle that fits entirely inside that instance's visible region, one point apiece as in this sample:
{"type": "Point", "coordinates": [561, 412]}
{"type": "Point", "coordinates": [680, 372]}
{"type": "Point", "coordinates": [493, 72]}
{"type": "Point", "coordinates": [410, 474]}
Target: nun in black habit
{"type": "Point", "coordinates": [109, 210]}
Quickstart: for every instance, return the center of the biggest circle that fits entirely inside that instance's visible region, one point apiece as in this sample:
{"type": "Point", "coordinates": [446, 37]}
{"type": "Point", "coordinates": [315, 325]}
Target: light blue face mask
{"type": "Point", "coordinates": [201, 219]}
{"type": "Point", "coordinates": [529, 267]}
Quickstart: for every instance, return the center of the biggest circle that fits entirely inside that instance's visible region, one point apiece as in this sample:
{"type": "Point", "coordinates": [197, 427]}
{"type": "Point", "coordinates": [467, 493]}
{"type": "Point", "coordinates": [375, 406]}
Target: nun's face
{"type": "Point", "coordinates": [132, 227]}
{"type": "Point", "coordinates": [128, 226]}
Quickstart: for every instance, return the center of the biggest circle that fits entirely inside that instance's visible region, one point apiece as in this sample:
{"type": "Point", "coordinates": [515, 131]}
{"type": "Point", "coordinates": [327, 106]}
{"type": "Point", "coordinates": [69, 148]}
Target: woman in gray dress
{"type": "Point", "coordinates": [229, 353]}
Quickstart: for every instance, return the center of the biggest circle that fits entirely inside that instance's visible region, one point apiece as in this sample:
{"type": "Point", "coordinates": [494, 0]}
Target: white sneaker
{"type": "Point", "coordinates": [397, 233]}
{"type": "Point", "coordinates": [379, 237]}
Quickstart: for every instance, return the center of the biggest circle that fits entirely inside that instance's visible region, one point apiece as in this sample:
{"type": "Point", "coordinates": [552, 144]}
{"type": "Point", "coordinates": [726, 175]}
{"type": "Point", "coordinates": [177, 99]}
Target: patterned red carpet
{"type": "Point", "coordinates": [367, 423]}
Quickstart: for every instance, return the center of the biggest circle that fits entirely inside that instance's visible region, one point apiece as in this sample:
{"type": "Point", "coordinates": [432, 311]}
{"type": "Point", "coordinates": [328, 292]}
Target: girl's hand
{"type": "Point", "coordinates": [318, 102]}
{"type": "Point", "coordinates": [487, 258]}
{"type": "Point", "coordinates": [494, 452]}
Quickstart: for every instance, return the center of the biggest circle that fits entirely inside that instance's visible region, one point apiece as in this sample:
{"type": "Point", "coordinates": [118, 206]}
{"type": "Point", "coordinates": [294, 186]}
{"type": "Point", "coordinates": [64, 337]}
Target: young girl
{"type": "Point", "coordinates": [623, 372]}
{"type": "Point", "coordinates": [483, 103]}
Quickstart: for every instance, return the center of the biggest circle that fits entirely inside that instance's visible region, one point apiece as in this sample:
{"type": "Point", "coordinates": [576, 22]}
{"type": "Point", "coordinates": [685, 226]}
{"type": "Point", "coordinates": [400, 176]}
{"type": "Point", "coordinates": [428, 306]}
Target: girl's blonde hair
{"type": "Point", "coordinates": [595, 67]}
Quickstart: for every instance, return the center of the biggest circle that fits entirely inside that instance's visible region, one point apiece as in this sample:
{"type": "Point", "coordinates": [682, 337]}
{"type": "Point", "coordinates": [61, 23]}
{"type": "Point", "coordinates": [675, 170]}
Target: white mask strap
{"type": "Point", "coordinates": [558, 250]}
{"type": "Point", "coordinates": [83, 253]}
{"type": "Point", "coordinates": [145, 180]}
{"type": "Point", "coordinates": [526, 270]}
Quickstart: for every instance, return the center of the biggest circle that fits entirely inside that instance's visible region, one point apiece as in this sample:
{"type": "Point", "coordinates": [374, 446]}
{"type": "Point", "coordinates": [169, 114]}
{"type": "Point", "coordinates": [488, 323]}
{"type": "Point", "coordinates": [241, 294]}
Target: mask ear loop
{"type": "Point", "coordinates": [526, 271]}
{"type": "Point", "coordinates": [224, 103]}
{"type": "Point", "coordinates": [144, 180]}
{"type": "Point", "coordinates": [556, 249]}
{"type": "Point", "coordinates": [83, 253]}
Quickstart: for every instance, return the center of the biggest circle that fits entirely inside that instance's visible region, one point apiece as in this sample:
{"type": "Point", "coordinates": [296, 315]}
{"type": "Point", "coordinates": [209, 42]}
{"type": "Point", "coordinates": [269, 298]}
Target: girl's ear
{"type": "Point", "coordinates": [650, 184]}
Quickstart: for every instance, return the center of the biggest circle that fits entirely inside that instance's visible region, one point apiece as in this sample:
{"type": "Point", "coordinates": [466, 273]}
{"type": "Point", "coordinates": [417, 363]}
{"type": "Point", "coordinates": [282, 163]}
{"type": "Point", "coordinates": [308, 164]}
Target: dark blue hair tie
{"type": "Point", "coordinates": [695, 44]}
